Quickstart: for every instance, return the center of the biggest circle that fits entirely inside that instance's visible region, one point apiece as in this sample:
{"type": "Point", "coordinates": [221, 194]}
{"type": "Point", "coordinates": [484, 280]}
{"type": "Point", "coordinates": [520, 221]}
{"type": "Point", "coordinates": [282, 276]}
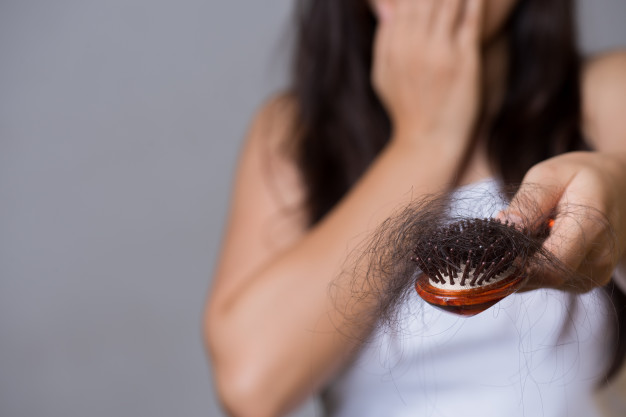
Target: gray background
{"type": "Point", "coordinates": [120, 121]}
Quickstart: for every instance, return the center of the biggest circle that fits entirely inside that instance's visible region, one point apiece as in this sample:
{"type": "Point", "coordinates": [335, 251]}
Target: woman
{"type": "Point", "coordinates": [461, 90]}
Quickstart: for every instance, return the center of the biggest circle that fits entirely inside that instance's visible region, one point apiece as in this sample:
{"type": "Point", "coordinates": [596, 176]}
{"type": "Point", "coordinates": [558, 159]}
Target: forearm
{"type": "Point", "coordinates": [282, 325]}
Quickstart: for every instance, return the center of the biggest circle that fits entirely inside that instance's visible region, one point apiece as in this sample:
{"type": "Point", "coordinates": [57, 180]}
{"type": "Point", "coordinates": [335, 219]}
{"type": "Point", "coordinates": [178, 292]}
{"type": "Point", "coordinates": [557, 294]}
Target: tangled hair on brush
{"type": "Point", "coordinates": [381, 274]}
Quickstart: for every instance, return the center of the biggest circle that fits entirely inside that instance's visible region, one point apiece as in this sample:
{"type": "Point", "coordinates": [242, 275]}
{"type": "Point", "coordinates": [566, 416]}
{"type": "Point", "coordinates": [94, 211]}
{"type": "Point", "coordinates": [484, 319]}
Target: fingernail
{"type": "Point", "coordinates": [510, 216]}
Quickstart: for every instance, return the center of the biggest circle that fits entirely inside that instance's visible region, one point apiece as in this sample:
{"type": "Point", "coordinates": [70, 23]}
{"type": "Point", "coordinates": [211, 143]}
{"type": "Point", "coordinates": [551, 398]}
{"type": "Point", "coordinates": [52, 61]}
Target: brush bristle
{"type": "Point", "coordinates": [468, 253]}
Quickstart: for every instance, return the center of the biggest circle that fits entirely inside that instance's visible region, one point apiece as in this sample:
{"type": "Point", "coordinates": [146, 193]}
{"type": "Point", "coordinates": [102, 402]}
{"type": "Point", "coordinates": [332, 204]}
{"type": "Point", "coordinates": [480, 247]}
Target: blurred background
{"type": "Point", "coordinates": [120, 122]}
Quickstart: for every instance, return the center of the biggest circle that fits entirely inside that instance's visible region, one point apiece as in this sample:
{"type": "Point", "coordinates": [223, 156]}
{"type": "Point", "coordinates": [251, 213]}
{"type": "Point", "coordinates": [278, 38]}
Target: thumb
{"type": "Point", "coordinates": [534, 204]}
{"type": "Point", "coordinates": [533, 208]}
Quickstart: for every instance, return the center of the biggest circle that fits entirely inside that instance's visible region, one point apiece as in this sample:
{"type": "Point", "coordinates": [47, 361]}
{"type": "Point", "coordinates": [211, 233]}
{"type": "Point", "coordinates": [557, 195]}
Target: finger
{"type": "Point", "coordinates": [447, 18]}
{"type": "Point", "coordinates": [565, 244]}
{"type": "Point", "coordinates": [533, 206]}
{"type": "Point", "coordinates": [383, 9]}
{"type": "Point", "coordinates": [418, 14]}
{"type": "Point", "coordinates": [576, 263]}
{"type": "Point", "coordinates": [581, 239]}
{"type": "Point", "coordinates": [533, 209]}
{"type": "Point", "coordinates": [470, 25]}
{"type": "Point", "coordinates": [401, 21]}
{"type": "Point", "coordinates": [431, 10]}
{"type": "Point", "coordinates": [382, 43]}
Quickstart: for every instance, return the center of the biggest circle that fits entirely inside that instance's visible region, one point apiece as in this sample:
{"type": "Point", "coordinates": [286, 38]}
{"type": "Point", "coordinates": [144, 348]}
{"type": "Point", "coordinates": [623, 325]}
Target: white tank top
{"type": "Point", "coordinates": [533, 354]}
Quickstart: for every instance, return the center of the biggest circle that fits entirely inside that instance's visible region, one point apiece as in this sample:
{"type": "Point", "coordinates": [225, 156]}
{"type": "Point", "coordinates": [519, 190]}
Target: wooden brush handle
{"type": "Point", "coordinates": [467, 302]}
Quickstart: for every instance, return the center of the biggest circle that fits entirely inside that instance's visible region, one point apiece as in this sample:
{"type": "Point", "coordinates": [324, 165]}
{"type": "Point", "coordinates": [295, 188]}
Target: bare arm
{"type": "Point", "coordinates": [276, 322]}
{"type": "Point", "coordinates": [273, 331]}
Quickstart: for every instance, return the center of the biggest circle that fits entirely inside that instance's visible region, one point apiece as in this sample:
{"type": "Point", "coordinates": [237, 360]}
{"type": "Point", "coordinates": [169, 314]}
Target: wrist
{"type": "Point", "coordinates": [433, 164]}
{"type": "Point", "coordinates": [447, 148]}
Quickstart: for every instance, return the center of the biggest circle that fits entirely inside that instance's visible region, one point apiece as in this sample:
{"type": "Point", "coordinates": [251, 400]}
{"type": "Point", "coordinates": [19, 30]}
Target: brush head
{"type": "Point", "coordinates": [469, 265]}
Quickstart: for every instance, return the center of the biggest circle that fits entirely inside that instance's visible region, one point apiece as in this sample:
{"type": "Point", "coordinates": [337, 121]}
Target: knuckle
{"type": "Point", "coordinates": [590, 184]}
{"type": "Point", "coordinates": [540, 171]}
{"type": "Point", "coordinates": [589, 175]}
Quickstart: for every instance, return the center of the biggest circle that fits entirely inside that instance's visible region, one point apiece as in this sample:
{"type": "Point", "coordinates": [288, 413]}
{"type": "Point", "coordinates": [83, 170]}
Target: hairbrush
{"type": "Point", "coordinates": [469, 265]}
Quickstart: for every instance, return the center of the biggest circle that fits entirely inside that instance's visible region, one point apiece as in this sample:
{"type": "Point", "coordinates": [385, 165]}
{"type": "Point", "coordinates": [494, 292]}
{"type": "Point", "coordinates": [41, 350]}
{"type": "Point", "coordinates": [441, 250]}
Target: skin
{"type": "Point", "coordinates": [271, 327]}
{"type": "Point", "coordinates": [495, 14]}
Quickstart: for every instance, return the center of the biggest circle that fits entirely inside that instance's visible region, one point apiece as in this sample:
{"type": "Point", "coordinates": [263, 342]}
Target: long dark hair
{"type": "Point", "coordinates": [342, 125]}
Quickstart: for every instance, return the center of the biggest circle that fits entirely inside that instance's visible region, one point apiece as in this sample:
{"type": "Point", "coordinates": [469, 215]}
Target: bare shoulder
{"type": "Point", "coordinates": [268, 193]}
{"type": "Point", "coordinates": [274, 121]}
{"type": "Point", "coordinates": [271, 148]}
{"type": "Point", "coordinates": [265, 215]}
{"type": "Point", "coordinates": [604, 100]}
